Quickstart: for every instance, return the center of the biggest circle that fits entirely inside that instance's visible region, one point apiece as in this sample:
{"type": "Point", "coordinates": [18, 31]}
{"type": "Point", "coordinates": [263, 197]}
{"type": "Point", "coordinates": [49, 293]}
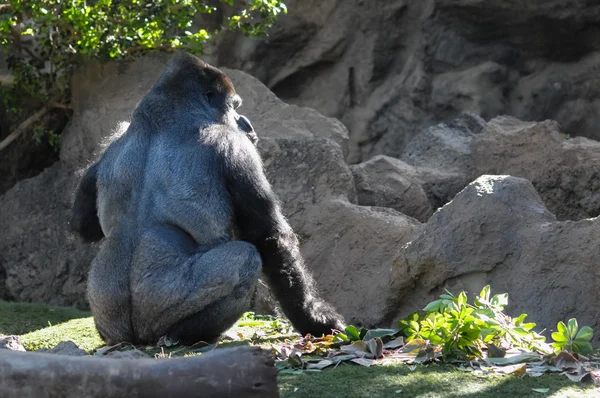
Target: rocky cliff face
{"type": "Point", "coordinates": [389, 68]}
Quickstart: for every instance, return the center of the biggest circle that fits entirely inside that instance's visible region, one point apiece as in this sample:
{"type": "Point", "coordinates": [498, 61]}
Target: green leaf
{"type": "Point", "coordinates": [500, 300]}
{"type": "Point", "coordinates": [433, 306]}
{"type": "Point", "coordinates": [462, 299]}
{"type": "Point", "coordinates": [378, 333]}
{"type": "Point", "coordinates": [559, 337]}
{"type": "Point", "coordinates": [485, 293]}
{"type": "Point", "coordinates": [528, 326]}
{"type": "Point", "coordinates": [352, 333]}
{"type": "Point", "coordinates": [414, 325]}
{"type": "Point", "coordinates": [558, 346]}
{"type": "Point", "coordinates": [342, 336]}
{"type": "Point", "coordinates": [582, 347]}
{"type": "Point", "coordinates": [562, 328]}
{"type": "Point", "coordinates": [572, 328]}
{"type": "Point", "coordinates": [586, 333]}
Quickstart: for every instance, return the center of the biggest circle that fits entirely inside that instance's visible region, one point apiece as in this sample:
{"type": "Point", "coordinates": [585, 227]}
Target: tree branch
{"type": "Point", "coordinates": [230, 372]}
{"type": "Point", "coordinates": [7, 80]}
{"type": "Point", "coordinates": [26, 125]}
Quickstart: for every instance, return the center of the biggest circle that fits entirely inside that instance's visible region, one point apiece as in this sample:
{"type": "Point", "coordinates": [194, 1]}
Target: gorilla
{"type": "Point", "coordinates": [188, 221]}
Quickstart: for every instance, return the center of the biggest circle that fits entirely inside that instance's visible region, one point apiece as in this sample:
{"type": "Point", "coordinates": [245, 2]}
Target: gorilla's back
{"type": "Point", "coordinates": [165, 178]}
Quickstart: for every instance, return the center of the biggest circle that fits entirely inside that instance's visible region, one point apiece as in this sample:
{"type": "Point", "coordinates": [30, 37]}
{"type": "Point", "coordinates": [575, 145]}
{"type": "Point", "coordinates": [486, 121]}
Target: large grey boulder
{"type": "Point", "coordinates": [442, 157]}
{"type": "Point", "coordinates": [40, 262]}
{"type": "Point", "coordinates": [565, 172]}
{"type": "Point", "coordinates": [498, 231]}
{"type": "Point", "coordinates": [388, 182]}
{"type": "Point", "coordinates": [352, 251]}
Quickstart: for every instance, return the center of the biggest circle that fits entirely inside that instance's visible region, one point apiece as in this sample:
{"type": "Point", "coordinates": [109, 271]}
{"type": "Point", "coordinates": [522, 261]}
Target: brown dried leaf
{"type": "Point", "coordinates": [364, 361]}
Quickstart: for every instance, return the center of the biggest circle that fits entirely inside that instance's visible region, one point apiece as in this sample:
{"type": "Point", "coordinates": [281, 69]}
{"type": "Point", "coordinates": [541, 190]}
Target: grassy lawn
{"type": "Point", "coordinates": [41, 326]}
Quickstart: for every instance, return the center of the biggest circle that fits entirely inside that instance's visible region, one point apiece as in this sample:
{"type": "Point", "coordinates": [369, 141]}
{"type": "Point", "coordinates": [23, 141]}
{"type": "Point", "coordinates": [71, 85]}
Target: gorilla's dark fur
{"type": "Point", "coordinates": [188, 220]}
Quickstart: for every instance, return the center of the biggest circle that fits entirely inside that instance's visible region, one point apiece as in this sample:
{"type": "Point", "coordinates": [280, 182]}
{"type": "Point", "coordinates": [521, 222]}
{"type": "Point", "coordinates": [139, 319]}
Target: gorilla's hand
{"type": "Point", "coordinates": [322, 321]}
{"type": "Point", "coordinates": [245, 125]}
{"type": "Point", "coordinates": [252, 137]}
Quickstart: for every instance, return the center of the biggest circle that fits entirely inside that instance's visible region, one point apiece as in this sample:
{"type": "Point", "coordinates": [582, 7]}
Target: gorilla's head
{"type": "Point", "coordinates": [197, 86]}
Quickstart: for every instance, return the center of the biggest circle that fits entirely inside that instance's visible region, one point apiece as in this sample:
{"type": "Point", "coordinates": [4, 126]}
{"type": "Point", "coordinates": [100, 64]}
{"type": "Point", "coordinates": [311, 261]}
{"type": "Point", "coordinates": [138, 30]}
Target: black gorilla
{"type": "Point", "coordinates": [189, 220]}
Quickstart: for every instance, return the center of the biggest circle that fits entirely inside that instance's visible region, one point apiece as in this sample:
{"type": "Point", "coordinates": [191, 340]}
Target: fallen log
{"type": "Point", "coordinates": [234, 372]}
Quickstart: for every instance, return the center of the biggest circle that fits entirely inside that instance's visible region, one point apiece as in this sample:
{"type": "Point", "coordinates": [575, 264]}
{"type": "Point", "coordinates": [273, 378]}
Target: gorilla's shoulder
{"type": "Point", "coordinates": [226, 138]}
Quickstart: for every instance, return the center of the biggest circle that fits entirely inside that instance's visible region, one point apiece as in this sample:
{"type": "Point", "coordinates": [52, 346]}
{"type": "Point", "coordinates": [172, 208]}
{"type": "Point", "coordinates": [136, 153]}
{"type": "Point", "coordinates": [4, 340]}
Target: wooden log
{"type": "Point", "coordinates": [234, 372]}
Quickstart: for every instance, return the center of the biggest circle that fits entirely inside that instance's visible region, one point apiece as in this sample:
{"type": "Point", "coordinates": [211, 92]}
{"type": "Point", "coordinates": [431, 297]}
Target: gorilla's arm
{"type": "Point", "coordinates": [260, 222]}
{"type": "Point", "coordinates": [84, 214]}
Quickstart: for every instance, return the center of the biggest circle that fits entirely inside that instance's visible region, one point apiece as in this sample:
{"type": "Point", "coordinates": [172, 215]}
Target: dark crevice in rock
{"type": "Point", "coordinates": [26, 158]}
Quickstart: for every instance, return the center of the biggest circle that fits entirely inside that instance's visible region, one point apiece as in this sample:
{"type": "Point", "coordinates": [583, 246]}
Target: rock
{"type": "Point", "coordinates": [565, 172]}
{"type": "Point", "coordinates": [497, 231]}
{"type": "Point", "coordinates": [352, 251]}
{"type": "Point", "coordinates": [446, 146]}
{"type": "Point", "coordinates": [441, 58]}
{"type": "Point", "coordinates": [478, 90]}
{"type": "Point", "coordinates": [442, 157]}
{"type": "Point", "coordinates": [565, 91]}
{"type": "Point", "coordinates": [304, 172]}
{"type": "Point", "coordinates": [266, 111]}
{"type": "Point", "coordinates": [11, 343]}
{"type": "Point", "coordinates": [42, 263]}
{"type": "Point", "coordinates": [67, 348]}
{"type": "Point", "coordinates": [387, 182]}
{"type": "Point", "coordinates": [440, 185]}
{"type": "Point", "coordinates": [96, 108]}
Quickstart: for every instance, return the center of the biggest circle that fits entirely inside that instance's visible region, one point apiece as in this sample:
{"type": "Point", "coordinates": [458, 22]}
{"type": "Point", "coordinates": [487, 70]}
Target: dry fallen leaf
{"type": "Point", "coordinates": [541, 390]}
{"type": "Point", "coordinates": [393, 344]}
{"type": "Point", "coordinates": [518, 369]}
{"type": "Point", "coordinates": [364, 361]}
{"type": "Point", "coordinates": [320, 365]}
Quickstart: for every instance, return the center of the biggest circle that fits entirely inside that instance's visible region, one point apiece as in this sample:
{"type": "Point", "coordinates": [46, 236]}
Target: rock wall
{"type": "Point", "coordinates": [390, 68]}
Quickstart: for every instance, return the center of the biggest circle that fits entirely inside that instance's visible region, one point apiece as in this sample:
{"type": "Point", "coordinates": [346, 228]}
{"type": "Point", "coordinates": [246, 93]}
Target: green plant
{"type": "Point", "coordinates": [572, 339]}
{"type": "Point", "coordinates": [463, 330]}
{"type": "Point", "coordinates": [46, 39]}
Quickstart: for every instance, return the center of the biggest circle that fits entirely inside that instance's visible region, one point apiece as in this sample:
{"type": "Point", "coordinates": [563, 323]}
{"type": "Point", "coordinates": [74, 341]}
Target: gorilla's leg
{"type": "Point", "coordinates": [172, 282]}
{"type": "Point", "coordinates": [209, 323]}
{"type": "Point", "coordinates": [108, 290]}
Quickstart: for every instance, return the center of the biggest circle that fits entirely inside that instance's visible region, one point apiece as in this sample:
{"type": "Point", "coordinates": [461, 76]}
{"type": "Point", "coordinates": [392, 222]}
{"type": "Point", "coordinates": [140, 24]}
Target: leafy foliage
{"type": "Point", "coordinates": [572, 339]}
{"type": "Point", "coordinates": [463, 329]}
{"type": "Point", "coordinates": [478, 337]}
{"type": "Point", "coordinates": [46, 39]}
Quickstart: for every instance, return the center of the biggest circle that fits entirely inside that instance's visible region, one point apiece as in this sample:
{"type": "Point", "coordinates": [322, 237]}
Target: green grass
{"type": "Point", "coordinates": [31, 322]}
{"type": "Point", "coordinates": [21, 318]}
{"type": "Point", "coordinates": [443, 381]}
{"type": "Point", "coordinates": [81, 331]}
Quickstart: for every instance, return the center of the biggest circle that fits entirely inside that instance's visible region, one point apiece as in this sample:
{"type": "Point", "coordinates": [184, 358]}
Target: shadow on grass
{"type": "Point", "coordinates": [433, 381]}
{"type": "Point", "coordinates": [21, 318]}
